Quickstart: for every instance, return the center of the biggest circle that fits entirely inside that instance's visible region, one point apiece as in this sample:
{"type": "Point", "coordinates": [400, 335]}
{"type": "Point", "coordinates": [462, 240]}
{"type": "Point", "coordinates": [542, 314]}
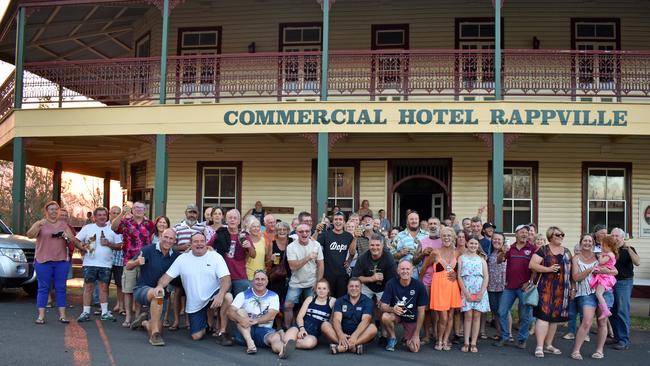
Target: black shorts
{"type": "Point", "coordinates": [338, 285]}
{"type": "Point", "coordinates": [117, 275]}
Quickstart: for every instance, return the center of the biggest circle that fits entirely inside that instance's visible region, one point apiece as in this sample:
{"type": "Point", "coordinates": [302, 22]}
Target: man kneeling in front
{"type": "Point", "coordinates": [253, 311]}
{"type": "Point", "coordinates": [206, 281]}
{"type": "Point", "coordinates": [351, 321]}
{"type": "Point", "coordinates": [154, 261]}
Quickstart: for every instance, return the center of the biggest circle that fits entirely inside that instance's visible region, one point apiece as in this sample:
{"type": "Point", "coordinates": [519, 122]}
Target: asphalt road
{"type": "Point", "coordinates": [105, 343]}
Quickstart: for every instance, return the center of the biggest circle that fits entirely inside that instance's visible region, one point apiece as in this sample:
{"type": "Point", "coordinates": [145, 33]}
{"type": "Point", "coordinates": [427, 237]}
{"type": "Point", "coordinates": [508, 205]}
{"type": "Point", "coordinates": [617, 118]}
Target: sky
{"type": "Point", "coordinates": [77, 180]}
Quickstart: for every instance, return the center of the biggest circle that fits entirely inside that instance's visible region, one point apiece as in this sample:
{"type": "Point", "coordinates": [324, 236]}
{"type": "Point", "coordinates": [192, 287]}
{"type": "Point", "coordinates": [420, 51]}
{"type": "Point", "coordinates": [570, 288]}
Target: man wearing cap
{"type": "Point", "coordinates": [486, 242]}
{"type": "Point", "coordinates": [517, 280]}
{"type": "Point", "coordinates": [187, 227]}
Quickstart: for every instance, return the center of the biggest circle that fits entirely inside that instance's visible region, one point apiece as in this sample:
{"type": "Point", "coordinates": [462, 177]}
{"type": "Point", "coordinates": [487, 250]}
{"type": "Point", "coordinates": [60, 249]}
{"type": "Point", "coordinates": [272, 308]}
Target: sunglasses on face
{"type": "Point", "coordinates": [559, 235]}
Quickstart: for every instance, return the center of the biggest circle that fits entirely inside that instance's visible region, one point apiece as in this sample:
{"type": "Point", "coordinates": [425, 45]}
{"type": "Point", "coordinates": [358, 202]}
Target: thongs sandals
{"type": "Point", "coordinates": [39, 321]}
{"type": "Point", "coordinates": [446, 346]}
{"type": "Point", "coordinates": [63, 320]}
{"type": "Point", "coordinates": [473, 348]}
{"type": "Point", "coordinates": [359, 349]}
{"type": "Point", "coordinates": [576, 356]}
{"type": "Point", "coordinates": [465, 348]}
{"type": "Point", "coordinates": [539, 352]}
{"type": "Point", "coordinates": [552, 350]}
{"type": "Point", "coordinates": [597, 355]}
{"type": "Point", "coordinates": [251, 350]}
{"type": "Point", "coordinates": [483, 336]}
{"type": "Point", "coordinates": [334, 349]}
{"type": "Point", "coordinates": [438, 346]}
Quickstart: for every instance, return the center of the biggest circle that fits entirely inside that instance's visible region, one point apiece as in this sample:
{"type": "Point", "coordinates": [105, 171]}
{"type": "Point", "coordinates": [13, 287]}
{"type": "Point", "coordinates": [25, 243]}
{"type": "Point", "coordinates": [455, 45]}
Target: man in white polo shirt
{"type": "Point", "coordinates": [206, 281]}
{"type": "Point", "coordinates": [99, 241]}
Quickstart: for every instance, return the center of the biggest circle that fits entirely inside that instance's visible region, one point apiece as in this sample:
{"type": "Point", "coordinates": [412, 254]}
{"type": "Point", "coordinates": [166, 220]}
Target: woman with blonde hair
{"type": "Point", "coordinates": [51, 259]}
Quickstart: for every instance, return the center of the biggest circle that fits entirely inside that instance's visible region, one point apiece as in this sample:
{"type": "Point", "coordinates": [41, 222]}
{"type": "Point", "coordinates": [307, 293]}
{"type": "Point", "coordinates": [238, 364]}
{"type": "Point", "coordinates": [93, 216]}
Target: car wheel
{"type": "Point", "coordinates": [31, 289]}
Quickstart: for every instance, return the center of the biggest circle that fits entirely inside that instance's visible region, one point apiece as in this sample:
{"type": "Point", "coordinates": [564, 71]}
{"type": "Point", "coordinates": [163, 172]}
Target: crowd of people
{"type": "Point", "coordinates": [347, 280]}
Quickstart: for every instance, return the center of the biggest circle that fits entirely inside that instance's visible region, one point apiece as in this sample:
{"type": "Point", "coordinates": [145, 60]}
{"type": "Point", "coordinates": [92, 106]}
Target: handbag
{"type": "Point", "coordinates": [279, 271]}
{"type": "Point", "coordinates": [531, 295]}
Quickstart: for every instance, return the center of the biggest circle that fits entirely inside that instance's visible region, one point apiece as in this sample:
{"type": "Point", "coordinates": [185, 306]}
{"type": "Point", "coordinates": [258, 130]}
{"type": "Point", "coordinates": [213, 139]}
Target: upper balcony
{"type": "Point", "coordinates": [411, 50]}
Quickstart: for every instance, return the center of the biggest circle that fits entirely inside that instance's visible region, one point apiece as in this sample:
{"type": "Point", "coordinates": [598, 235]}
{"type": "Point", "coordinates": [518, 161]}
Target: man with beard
{"type": "Point", "coordinates": [338, 251]}
{"type": "Point", "coordinates": [409, 240]}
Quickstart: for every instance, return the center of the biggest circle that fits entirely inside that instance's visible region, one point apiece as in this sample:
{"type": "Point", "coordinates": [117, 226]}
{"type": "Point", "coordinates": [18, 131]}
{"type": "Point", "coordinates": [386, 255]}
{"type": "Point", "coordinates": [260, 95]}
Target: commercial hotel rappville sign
{"type": "Point", "coordinates": [342, 117]}
{"type": "Point", "coordinates": [435, 118]}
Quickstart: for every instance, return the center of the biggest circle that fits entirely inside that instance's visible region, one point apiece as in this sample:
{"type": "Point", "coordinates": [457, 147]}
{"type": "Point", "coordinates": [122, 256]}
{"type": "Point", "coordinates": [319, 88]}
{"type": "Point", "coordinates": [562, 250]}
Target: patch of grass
{"type": "Point", "coordinates": [640, 323]}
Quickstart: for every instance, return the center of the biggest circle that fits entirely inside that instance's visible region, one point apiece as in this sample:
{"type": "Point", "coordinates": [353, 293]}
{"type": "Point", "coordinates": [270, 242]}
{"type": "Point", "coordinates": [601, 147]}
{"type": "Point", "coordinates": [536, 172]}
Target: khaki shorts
{"type": "Point", "coordinates": [129, 279]}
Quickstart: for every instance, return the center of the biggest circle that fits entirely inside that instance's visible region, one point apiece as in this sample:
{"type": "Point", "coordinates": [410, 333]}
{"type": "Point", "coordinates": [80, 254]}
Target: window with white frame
{"type": "Point", "coordinates": [474, 34]}
{"type": "Point", "coordinates": [199, 74]}
{"type": "Point", "coordinates": [594, 35]}
{"type": "Point", "coordinates": [390, 67]}
{"type": "Point", "coordinates": [219, 187]}
{"type": "Point", "coordinates": [607, 197]}
{"type": "Point", "coordinates": [340, 188]}
{"type": "Point", "coordinates": [301, 38]}
{"type": "Point", "coordinates": [518, 197]}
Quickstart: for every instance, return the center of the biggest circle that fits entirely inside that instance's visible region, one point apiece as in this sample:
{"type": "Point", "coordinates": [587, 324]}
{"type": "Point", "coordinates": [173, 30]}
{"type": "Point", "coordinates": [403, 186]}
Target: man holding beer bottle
{"type": "Point", "coordinates": [154, 261]}
{"type": "Point", "coordinates": [403, 302]}
{"type": "Point", "coordinates": [99, 241]}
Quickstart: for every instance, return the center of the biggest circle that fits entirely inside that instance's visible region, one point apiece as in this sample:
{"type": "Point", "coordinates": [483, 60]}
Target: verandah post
{"type": "Point", "coordinates": [323, 137]}
{"type": "Point", "coordinates": [497, 137]}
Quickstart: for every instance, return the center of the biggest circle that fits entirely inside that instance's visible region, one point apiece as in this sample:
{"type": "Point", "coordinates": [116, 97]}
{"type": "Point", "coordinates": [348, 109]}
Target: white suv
{"type": "Point", "coordinates": [17, 261]}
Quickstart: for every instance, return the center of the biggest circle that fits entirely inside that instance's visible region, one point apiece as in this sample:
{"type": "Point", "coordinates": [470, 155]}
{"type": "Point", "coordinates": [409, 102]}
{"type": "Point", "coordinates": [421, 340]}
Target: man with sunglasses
{"type": "Point", "coordinates": [517, 281]}
{"type": "Point", "coordinates": [305, 258]}
{"type": "Point", "coordinates": [136, 231]}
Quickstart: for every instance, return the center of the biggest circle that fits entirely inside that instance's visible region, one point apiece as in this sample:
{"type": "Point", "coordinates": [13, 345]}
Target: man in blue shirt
{"type": "Point", "coordinates": [153, 260]}
{"type": "Point", "coordinates": [404, 301]}
{"type": "Point", "coordinates": [351, 325]}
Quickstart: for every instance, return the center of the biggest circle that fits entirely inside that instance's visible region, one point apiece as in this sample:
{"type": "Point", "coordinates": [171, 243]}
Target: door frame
{"type": "Point", "coordinates": [392, 186]}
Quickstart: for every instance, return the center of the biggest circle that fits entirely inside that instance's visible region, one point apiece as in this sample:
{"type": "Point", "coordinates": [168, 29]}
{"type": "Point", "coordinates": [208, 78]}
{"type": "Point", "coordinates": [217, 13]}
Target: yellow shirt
{"type": "Point", "coordinates": [253, 264]}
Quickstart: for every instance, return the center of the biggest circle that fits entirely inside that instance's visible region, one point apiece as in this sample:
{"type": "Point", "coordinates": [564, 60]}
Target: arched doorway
{"type": "Point", "coordinates": [424, 194]}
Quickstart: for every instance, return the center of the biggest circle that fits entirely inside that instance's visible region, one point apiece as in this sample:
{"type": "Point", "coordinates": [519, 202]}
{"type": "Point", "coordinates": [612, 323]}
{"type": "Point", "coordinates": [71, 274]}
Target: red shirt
{"type": "Point", "coordinates": [517, 272]}
{"type": "Point", "coordinates": [135, 236]}
{"type": "Point", "coordinates": [236, 258]}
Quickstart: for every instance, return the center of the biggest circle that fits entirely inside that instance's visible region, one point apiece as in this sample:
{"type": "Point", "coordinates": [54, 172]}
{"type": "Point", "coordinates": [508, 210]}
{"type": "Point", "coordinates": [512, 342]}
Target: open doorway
{"type": "Point", "coordinates": [422, 194]}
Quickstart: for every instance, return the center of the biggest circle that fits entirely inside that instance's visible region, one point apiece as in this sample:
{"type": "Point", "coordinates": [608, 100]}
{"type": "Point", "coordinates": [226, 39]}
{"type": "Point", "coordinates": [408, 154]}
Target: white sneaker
{"type": "Point", "coordinates": [569, 336]}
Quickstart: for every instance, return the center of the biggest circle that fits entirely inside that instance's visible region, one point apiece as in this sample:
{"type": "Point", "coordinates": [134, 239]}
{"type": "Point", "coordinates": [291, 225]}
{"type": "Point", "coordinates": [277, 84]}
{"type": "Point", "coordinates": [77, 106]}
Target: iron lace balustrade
{"type": "Point", "coordinates": [573, 73]}
{"type": "Point", "coordinates": [7, 91]}
{"type": "Point", "coordinates": [411, 73]}
{"type": "Point", "coordinates": [112, 82]}
{"type": "Point", "coordinates": [353, 75]}
{"type": "Point", "coordinates": [288, 75]}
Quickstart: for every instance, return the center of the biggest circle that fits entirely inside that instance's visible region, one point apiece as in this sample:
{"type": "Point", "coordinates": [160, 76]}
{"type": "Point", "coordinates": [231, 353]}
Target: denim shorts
{"type": "Point", "coordinates": [257, 333]}
{"type": "Point", "coordinates": [93, 274]}
{"type": "Point", "coordinates": [592, 300]}
{"type": "Point", "coordinates": [293, 294]}
{"type": "Point", "coordinates": [140, 295]}
{"type": "Point", "coordinates": [199, 320]}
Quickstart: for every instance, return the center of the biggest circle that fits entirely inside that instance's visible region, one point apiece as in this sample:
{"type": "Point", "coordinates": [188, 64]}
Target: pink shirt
{"type": "Point", "coordinates": [434, 244]}
{"type": "Point", "coordinates": [49, 249]}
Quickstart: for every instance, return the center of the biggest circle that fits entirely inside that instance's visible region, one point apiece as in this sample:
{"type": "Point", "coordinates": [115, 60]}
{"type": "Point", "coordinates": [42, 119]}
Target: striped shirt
{"type": "Point", "coordinates": [184, 231]}
{"type": "Point", "coordinates": [582, 287]}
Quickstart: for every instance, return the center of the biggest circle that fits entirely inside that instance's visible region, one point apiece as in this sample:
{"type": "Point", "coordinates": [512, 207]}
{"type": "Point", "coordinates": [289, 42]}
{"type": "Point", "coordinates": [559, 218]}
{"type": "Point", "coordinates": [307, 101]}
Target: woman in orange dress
{"type": "Point", "coordinates": [445, 293]}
